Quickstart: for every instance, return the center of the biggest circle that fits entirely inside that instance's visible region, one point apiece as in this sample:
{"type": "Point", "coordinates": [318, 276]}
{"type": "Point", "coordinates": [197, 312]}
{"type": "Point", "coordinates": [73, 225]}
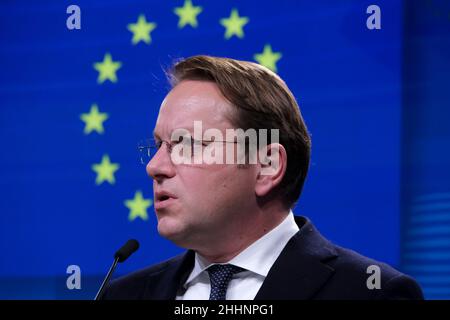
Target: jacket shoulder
{"type": "Point", "coordinates": [359, 277]}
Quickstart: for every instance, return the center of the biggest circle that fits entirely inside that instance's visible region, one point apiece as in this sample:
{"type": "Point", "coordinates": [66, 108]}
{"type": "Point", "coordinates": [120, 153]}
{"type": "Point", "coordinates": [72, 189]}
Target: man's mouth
{"type": "Point", "coordinates": [163, 199]}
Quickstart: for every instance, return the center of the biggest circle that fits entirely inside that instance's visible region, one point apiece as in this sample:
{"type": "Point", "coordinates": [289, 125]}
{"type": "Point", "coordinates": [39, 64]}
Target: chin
{"type": "Point", "coordinates": [176, 233]}
{"type": "Point", "coordinates": [169, 229]}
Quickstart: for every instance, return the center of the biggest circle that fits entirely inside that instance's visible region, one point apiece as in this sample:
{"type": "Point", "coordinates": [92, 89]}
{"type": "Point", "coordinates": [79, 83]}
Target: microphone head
{"type": "Point", "coordinates": [127, 250]}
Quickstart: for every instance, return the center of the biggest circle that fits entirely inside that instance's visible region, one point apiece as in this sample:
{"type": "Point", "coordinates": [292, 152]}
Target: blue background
{"type": "Point", "coordinates": [375, 102]}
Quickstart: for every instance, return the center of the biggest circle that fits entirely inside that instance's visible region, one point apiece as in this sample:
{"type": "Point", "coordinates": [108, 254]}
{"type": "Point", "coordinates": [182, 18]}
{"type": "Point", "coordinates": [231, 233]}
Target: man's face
{"type": "Point", "coordinates": [207, 202]}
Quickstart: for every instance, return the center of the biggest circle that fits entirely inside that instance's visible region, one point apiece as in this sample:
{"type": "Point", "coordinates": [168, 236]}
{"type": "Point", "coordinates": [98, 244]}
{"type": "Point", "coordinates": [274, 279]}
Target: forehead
{"type": "Point", "coordinates": [191, 101]}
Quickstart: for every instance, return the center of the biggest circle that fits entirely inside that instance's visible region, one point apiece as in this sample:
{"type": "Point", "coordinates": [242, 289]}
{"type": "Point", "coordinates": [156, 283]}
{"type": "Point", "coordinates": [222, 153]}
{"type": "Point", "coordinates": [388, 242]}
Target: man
{"type": "Point", "coordinates": [235, 219]}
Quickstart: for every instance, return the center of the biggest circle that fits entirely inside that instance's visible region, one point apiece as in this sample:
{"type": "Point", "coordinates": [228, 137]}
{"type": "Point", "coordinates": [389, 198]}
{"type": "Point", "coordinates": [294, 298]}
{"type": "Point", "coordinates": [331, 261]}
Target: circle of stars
{"type": "Point", "coordinates": [234, 27]}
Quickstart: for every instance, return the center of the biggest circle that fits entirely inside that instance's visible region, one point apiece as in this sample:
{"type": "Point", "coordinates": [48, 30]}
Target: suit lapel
{"type": "Point", "coordinates": [164, 284]}
{"type": "Point", "coordinates": [300, 271]}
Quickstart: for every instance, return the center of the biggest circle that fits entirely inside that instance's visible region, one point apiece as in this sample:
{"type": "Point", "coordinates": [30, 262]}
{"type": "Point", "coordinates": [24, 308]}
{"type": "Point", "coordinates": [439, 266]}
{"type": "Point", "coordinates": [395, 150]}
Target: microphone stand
{"type": "Point", "coordinates": [106, 280]}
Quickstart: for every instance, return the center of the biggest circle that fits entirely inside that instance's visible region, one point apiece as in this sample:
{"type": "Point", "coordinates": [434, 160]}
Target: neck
{"type": "Point", "coordinates": [243, 235]}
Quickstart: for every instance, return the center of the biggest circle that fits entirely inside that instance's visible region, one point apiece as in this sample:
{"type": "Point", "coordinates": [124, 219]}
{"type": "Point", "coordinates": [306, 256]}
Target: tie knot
{"type": "Point", "coordinates": [220, 276]}
{"type": "Point", "coordinates": [224, 269]}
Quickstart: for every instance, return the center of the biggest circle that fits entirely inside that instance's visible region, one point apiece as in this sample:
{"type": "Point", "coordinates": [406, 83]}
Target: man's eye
{"type": "Point", "coordinates": [180, 139]}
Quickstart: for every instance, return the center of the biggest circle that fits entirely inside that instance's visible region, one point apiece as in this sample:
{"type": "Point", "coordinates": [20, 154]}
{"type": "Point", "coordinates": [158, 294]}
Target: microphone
{"type": "Point", "coordinates": [120, 256]}
{"type": "Point", "coordinates": [127, 250]}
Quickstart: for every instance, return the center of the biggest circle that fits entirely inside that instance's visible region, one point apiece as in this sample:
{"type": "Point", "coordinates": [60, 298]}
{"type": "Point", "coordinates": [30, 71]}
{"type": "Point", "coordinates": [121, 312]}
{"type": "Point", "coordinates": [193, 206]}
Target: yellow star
{"type": "Point", "coordinates": [141, 30]}
{"type": "Point", "coordinates": [187, 14]}
{"type": "Point", "coordinates": [268, 58]}
{"type": "Point", "coordinates": [105, 170]}
{"type": "Point", "coordinates": [138, 206]}
{"type": "Point", "coordinates": [93, 120]}
{"type": "Point", "coordinates": [234, 24]}
{"type": "Point", "coordinates": [107, 69]}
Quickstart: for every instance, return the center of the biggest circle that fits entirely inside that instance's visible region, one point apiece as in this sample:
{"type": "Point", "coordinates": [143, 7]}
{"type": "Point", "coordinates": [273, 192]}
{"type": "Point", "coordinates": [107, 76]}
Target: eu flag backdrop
{"type": "Point", "coordinates": [74, 103]}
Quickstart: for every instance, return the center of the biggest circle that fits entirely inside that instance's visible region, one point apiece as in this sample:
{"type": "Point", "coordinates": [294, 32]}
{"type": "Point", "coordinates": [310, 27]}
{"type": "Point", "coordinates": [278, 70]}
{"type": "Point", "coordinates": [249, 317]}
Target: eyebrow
{"type": "Point", "coordinates": [188, 128]}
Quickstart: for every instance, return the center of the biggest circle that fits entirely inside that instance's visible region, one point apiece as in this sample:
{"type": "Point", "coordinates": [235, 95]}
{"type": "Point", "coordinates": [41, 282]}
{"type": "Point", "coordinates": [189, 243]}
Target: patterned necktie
{"type": "Point", "coordinates": [220, 276]}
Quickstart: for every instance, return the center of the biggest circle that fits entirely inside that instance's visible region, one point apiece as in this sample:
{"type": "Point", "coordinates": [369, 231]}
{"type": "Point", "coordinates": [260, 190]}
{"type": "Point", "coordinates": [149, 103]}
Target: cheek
{"type": "Point", "coordinates": [232, 186]}
{"type": "Point", "coordinates": [217, 185]}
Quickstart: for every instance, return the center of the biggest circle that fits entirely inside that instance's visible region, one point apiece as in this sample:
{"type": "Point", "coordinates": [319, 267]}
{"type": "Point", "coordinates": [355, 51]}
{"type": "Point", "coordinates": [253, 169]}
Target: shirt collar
{"type": "Point", "coordinates": [260, 255]}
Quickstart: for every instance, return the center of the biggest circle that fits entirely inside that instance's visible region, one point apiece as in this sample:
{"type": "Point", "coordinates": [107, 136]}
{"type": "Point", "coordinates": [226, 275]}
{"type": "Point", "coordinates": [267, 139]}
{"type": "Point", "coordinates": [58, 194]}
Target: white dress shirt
{"type": "Point", "coordinates": [257, 259]}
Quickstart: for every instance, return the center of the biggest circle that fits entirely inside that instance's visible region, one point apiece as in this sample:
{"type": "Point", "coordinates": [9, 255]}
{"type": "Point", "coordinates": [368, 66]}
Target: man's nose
{"type": "Point", "coordinates": [160, 165]}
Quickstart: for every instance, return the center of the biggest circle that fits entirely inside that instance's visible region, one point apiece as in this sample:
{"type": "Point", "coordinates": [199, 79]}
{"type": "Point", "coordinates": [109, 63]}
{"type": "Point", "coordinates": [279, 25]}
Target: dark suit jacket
{"type": "Point", "coordinates": [309, 267]}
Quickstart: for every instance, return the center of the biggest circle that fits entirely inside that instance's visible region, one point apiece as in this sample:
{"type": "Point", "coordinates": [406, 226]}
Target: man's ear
{"type": "Point", "coordinates": [272, 164]}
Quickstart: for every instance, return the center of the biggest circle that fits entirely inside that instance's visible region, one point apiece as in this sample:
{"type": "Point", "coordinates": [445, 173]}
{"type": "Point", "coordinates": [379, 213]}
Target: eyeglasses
{"type": "Point", "coordinates": [147, 149]}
